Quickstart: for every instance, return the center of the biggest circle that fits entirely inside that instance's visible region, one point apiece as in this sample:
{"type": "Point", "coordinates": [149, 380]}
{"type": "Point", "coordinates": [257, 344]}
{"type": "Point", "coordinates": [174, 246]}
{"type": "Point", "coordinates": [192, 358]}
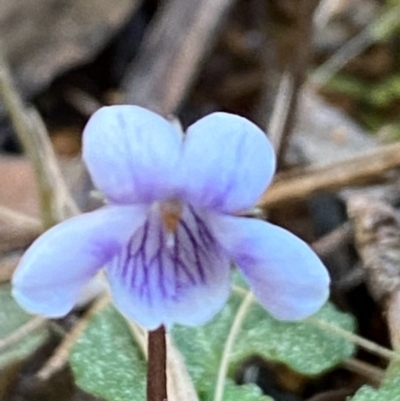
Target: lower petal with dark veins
{"type": "Point", "coordinates": [167, 277]}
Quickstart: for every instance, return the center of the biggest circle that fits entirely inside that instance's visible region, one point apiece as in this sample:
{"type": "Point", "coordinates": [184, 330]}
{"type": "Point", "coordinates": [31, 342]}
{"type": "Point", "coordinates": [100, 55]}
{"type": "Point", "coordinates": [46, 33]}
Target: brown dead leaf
{"type": "Point", "coordinates": [18, 190]}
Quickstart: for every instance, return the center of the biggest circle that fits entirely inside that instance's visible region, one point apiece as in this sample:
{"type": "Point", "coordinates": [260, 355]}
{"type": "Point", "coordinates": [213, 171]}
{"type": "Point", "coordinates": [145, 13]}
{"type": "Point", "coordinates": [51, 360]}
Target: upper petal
{"type": "Point", "coordinates": [284, 273]}
{"type": "Point", "coordinates": [163, 277]}
{"type": "Point", "coordinates": [52, 272]}
{"type": "Point", "coordinates": [131, 153]}
{"type": "Point", "coordinates": [227, 163]}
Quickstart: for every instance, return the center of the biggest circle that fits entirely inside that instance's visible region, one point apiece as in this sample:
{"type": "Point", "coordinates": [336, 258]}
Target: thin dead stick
{"type": "Point", "coordinates": [13, 217]}
{"type": "Point", "coordinates": [350, 280]}
{"type": "Point", "coordinates": [370, 346]}
{"type": "Point", "coordinates": [332, 395]}
{"type": "Point", "coordinates": [323, 13]}
{"type": "Point", "coordinates": [286, 106]}
{"type": "Point", "coordinates": [140, 336]}
{"type": "Point", "coordinates": [281, 110]}
{"type": "Point", "coordinates": [350, 50]}
{"type": "Point", "coordinates": [180, 385]}
{"type": "Point", "coordinates": [355, 46]}
{"type": "Point", "coordinates": [331, 177]}
{"type": "Point", "coordinates": [372, 373]}
{"type": "Point", "coordinates": [271, 70]}
{"type": "Point", "coordinates": [224, 364]}
{"type": "Point", "coordinates": [59, 358]}
{"type": "Point", "coordinates": [172, 53]}
{"type": "Point", "coordinates": [22, 332]}
{"type": "Point", "coordinates": [56, 202]}
{"type": "Point", "coordinates": [331, 241]}
{"type": "Point", "coordinates": [17, 230]}
{"type": "Point", "coordinates": [157, 365]}
{"type": "Point", "coordinates": [82, 101]}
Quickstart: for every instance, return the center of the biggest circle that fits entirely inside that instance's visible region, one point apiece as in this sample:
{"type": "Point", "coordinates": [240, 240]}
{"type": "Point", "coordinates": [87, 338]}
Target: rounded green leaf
{"type": "Point", "coordinates": [245, 392]}
{"type": "Point", "coordinates": [300, 345]}
{"type": "Point", "coordinates": [107, 362]}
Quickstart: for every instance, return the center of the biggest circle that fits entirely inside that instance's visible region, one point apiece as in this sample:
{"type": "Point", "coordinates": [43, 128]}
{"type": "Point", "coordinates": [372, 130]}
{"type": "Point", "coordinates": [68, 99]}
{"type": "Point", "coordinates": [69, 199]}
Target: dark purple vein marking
{"type": "Point", "coordinates": [202, 229]}
{"type": "Point", "coordinates": [178, 263]}
{"type": "Point", "coordinates": [195, 247]}
{"type": "Point", "coordinates": [189, 255]}
{"type": "Point", "coordinates": [141, 254]}
{"type": "Point", "coordinates": [158, 257]}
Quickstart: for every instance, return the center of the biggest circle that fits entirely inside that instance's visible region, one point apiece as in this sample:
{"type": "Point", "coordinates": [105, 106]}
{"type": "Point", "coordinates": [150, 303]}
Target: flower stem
{"type": "Point", "coordinates": [156, 369]}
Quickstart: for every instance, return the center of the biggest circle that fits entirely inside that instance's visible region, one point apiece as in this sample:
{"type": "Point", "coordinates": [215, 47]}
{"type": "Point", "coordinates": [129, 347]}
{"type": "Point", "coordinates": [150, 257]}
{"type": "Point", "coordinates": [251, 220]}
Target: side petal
{"type": "Point", "coordinates": [164, 277]}
{"type": "Point", "coordinates": [53, 271]}
{"type": "Point", "coordinates": [284, 273]}
{"type": "Point", "coordinates": [131, 153]}
{"type": "Point", "coordinates": [227, 163]}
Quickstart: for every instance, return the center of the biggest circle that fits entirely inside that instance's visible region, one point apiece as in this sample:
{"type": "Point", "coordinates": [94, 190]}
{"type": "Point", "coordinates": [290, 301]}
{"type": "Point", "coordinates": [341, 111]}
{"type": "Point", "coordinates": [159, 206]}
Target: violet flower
{"type": "Point", "coordinates": [170, 231]}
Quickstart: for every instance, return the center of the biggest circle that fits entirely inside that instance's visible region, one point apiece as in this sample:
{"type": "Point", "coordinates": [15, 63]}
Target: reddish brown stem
{"type": "Point", "coordinates": [156, 370]}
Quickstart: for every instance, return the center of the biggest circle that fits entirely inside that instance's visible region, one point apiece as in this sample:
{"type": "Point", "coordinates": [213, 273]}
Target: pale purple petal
{"type": "Point", "coordinates": [58, 264]}
{"type": "Point", "coordinates": [165, 277]}
{"type": "Point", "coordinates": [227, 163]}
{"type": "Point", "coordinates": [131, 153]}
{"type": "Point", "coordinates": [285, 275]}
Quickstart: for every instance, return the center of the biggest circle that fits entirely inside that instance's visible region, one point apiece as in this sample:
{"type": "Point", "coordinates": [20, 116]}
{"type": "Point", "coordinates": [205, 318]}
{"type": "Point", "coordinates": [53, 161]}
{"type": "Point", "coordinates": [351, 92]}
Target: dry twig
{"type": "Point", "coordinates": [56, 202]}
{"type": "Point", "coordinates": [369, 346]}
{"type": "Point", "coordinates": [287, 101]}
{"type": "Point", "coordinates": [228, 346]}
{"type": "Point", "coordinates": [172, 52]}
{"type": "Point", "coordinates": [355, 46]}
{"type": "Point", "coordinates": [22, 332]}
{"type": "Point", "coordinates": [180, 385]}
{"type": "Point", "coordinates": [372, 373]}
{"type": "Point", "coordinates": [17, 230]}
{"type": "Point", "coordinates": [333, 240]}
{"type": "Point", "coordinates": [333, 395]}
{"type": "Point", "coordinates": [59, 357]}
{"type": "Point", "coordinates": [298, 185]}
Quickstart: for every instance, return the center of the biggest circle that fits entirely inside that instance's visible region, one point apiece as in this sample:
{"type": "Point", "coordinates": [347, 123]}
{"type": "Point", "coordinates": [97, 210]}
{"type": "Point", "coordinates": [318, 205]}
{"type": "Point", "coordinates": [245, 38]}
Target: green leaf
{"type": "Point", "coordinates": [300, 345]}
{"type": "Point", "coordinates": [303, 347]}
{"type": "Point", "coordinates": [389, 390]}
{"type": "Point", "coordinates": [202, 347]}
{"type": "Point", "coordinates": [245, 392]}
{"type": "Point", "coordinates": [106, 361]}
{"type": "Point", "coordinates": [13, 317]}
